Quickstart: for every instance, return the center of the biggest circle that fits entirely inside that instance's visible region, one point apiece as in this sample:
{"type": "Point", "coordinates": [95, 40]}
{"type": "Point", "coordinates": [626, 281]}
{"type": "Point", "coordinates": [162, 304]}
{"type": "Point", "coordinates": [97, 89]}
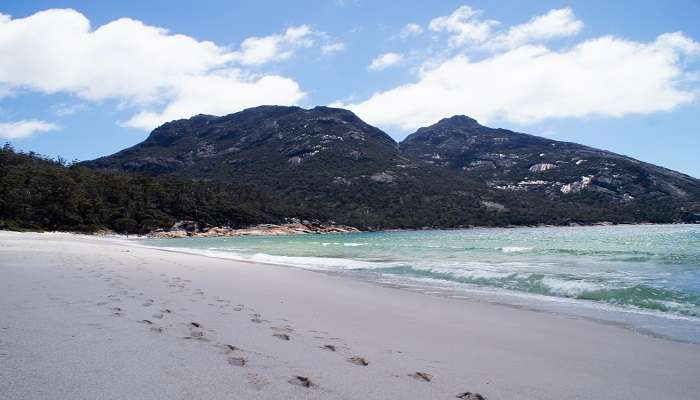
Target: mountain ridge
{"type": "Point", "coordinates": [330, 165]}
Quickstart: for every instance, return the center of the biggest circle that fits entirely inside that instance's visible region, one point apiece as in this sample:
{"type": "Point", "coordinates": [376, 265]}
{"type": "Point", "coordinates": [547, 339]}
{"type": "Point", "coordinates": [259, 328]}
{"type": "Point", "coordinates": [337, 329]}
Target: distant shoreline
{"type": "Point", "coordinates": [257, 230]}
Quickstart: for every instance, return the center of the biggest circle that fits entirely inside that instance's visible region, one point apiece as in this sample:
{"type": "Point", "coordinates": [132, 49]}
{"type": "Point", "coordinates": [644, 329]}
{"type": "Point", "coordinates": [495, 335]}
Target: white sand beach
{"type": "Point", "coordinates": [96, 318]}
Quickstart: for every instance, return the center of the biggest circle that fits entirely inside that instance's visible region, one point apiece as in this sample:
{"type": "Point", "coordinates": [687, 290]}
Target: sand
{"type": "Point", "coordinates": [93, 318]}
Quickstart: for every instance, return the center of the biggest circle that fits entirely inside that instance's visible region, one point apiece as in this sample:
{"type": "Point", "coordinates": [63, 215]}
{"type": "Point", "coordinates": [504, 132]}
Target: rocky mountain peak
{"type": "Point", "coordinates": [458, 121]}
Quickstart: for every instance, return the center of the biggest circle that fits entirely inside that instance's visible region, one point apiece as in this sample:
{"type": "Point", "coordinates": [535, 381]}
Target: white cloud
{"type": "Point", "coordinates": [604, 76]}
{"type": "Point", "coordinates": [384, 61]}
{"type": "Point", "coordinates": [139, 65]}
{"type": "Point", "coordinates": [261, 50]}
{"type": "Point", "coordinates": [410, 30]}
{"type": "Point", "coordinates": [465, 26]}
{"type": "Point", "coordinates": [220, 93]}
{"type": "Point", "coordinates": [556, 23]}
{"type": "Point", "coordinates": [25, 128]}
{"type": "Point", "coordinates": [331, 48]}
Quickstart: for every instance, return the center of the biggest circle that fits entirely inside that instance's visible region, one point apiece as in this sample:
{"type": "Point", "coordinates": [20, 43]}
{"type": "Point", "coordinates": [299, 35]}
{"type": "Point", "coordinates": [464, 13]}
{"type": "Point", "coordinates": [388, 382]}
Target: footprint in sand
{"type": "Point", "coordinates": [237, 361]}
{"type": "Point", "coordinates": [286, 328]}
{"type": "Point", "coordinates": [227, 348]}
{"type": "Point", "coordinates": [195, 333]}
{"type": "Point", "coordinates": [198, 335]}
{"type": "Point", "coordinates": [256, 318]}
{"type": "Point", "coordinates": [358, 361]}
{"type": "Point", "coordinates": [258, 382]}
{"type": "Point", "coordinates": [470, 396]}
{"type": "Point", "coordinates": [301, 381]}
{"type": "Point", "coordinates": [422, 376]}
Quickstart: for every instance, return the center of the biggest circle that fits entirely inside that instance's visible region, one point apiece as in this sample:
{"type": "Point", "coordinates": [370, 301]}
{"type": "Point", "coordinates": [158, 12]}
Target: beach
{"type": "Point", "coordinates": [86, 317]}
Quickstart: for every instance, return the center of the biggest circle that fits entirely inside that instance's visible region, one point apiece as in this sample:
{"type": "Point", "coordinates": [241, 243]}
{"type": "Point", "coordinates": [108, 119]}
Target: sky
{"type": "Point", "coordinates": [83, 79]}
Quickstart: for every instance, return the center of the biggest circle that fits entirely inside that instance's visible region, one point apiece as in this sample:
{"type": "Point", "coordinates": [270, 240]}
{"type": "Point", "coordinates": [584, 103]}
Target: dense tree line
{"type": "Point", "coordinates": [37, 193]}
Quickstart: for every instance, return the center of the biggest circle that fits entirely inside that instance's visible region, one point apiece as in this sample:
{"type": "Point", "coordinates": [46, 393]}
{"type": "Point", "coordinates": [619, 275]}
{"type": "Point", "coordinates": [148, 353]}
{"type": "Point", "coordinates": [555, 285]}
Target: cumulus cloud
{"type": "Point", "coordinates": [556, 23]}
{"type": "Point", "coordinates": [220, 93]}
{"type": "Point", "coordinates": [261, 50]}
{"type": "Point", "coordinates": [384, 61]}
{"type": "Point", "coordinates": [465, 27]}
{"type": "Point", "coordinates": [25, 128]}
{"type": "Point", "coordinates": [410, 30]}
{"type": "Point", "coordinates": [140, 65]}
{"type": "Point", "coordinates": [605, 76]}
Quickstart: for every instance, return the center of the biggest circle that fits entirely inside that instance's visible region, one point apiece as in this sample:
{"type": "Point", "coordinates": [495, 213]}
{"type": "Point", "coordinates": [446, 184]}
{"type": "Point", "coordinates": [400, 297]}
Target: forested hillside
{"type": "Point", "coordinates": [42, 194]}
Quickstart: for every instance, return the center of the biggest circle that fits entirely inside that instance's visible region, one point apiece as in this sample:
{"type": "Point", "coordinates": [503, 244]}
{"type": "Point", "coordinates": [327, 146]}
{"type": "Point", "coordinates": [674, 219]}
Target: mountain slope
{"type": "Point", "coordinates": [518, 162]}
{"type": "Point", "coordinates": [326, 163]}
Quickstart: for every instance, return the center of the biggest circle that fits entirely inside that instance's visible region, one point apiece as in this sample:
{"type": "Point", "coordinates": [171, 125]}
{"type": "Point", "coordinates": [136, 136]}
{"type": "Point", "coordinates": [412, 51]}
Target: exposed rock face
{"type": "Point", "coordinates": [542, 167]}
{"type": "Point", "coordinates": [328, 164]}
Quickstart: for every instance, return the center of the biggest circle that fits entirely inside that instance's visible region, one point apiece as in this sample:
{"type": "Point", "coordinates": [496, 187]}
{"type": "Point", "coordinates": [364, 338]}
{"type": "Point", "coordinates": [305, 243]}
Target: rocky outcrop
{"type": "Point", "coordinates": [295, 227]}
{"type": "Point", "coordinates": [542, 167]}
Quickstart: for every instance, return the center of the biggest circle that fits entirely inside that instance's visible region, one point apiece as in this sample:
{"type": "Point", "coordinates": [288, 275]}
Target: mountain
{"type": "Point", "coordinates": [520, 162]}
{"type": "Point", "coordinates": [326, 163]}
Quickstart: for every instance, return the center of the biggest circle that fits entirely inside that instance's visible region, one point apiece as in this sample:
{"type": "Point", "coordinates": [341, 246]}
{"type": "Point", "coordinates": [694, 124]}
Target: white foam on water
{"type": "Point", "coordinates": [570, 288]}
{"type": "Point", "coordinates": [515, 249]}
{"type": "Point", "coordinates": [311, 263]}
{"type": "Point", "coordinates": [474, 274]}
{"type": "Point", "coordinates": [316, 263]}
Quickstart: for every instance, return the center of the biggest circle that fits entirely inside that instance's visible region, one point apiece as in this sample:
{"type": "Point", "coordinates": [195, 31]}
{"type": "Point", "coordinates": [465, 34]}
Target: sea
{"type": "Point", "coordinates": [642, 277]}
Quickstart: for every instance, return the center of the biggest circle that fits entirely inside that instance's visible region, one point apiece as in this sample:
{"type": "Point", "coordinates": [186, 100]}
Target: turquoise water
{"type": "Point", "coordinates": [644, 269]}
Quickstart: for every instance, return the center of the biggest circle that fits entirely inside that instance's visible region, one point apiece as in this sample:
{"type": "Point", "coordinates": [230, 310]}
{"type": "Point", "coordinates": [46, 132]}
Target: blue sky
{"type": "Point", "coordinates": [623, 76]}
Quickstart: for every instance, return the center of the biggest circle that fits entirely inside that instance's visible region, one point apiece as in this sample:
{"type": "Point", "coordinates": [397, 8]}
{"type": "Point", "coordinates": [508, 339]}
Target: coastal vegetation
{"type": "Point", "coordinates": [38, 193]}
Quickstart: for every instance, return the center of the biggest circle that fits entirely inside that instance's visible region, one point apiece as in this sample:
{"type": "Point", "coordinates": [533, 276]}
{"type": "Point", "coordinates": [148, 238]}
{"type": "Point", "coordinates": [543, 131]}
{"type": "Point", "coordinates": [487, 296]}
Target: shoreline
{"type": "Point", "coordinates": [351, 230]}
{"type": "Point", "coordinates": [647, 321]}
{"type": "Point", "coordinates": [60, 294]}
